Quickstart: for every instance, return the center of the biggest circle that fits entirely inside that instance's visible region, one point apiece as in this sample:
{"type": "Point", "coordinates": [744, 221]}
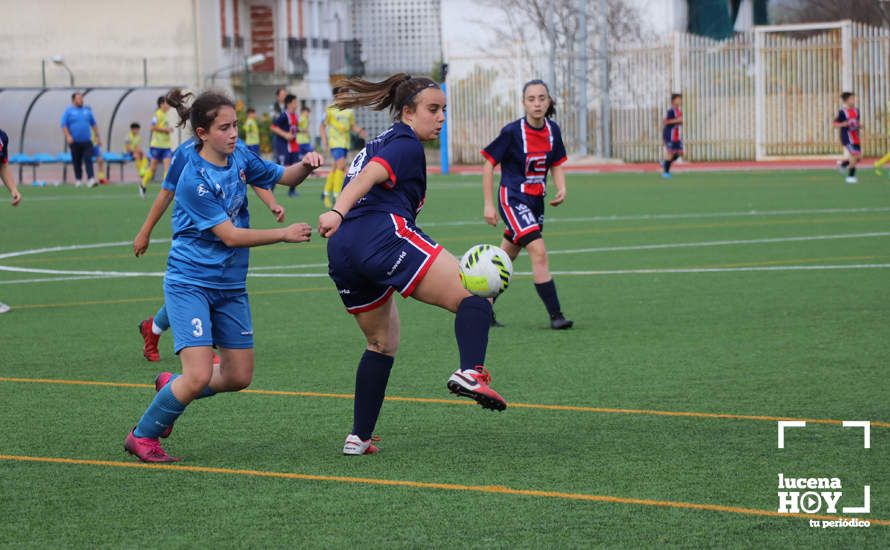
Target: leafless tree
{"type": "Point", "coordinates": [872, 12]}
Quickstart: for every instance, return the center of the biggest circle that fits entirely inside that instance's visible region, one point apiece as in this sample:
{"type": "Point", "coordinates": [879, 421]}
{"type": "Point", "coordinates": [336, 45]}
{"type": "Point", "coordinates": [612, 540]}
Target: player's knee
{"type": "Point", "coordinates": [385, 345]}
{"type": "Point", "coordinates": [195, 382]}
{"type": "Point", "coordinates": [240, 380]}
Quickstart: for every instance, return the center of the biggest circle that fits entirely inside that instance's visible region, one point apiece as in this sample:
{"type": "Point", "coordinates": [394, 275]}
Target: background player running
{"type": "Point", "coordinates": [160, 144]}
{"type": "Point", "coordinates": [670, 134]}
{"type": "Point", "coordinates": [527, 149]}
{"type": "Point", "coordinates": [204, 287]}
{"type": "Point", "coordinates": [9, 182]}
{"type": "Point", "coordinates": [847, 120]}
{"type": "Point", "coordinates": [375, 249]}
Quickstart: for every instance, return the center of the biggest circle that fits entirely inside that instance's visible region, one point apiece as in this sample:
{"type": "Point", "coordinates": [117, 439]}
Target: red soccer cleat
{"type": "Point", "coordinates": [150, 348]}
{"type": "Point", "coordinates": [146, 449]}
{"type": "Point", "coordinates": [475, 384]}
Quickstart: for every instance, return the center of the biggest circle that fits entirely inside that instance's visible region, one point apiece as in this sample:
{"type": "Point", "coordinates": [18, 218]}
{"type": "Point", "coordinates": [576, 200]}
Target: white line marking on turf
{"type": "Point", "coordinates": [716, 269]}
{"type": "Point", "coordinates": [684, 216]}
{"type": "Point", "coordinates": [720, 243]}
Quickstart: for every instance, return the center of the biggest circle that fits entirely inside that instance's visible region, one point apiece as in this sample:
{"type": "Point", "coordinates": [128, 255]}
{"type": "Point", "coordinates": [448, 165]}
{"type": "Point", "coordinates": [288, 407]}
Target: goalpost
{"type": "Point", "coordinates": [799, 74]}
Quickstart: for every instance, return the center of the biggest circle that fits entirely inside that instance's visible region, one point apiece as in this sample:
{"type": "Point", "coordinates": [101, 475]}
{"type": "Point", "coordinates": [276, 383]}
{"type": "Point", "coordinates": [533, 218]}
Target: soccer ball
{"type": "Point", "coordinates": [485, 270]}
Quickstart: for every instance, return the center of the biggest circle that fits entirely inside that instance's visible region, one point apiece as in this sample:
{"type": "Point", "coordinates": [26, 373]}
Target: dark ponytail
{"type": "Point", "coordinates": [551, 110]}
{"type": "Point", "coordinates": [203, 110]}
{"type": "Point", "coordinates": [398, 91]}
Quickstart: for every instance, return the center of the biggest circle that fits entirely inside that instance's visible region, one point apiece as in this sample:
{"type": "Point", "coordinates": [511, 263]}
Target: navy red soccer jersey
{"type": "Point", "coordinates": [849, 134]}
{"type": "Point", "coordinates": [671, 132]}
{"type": "Point", "coordinates": [4, 147]}
{"type": "Point", "coordinates": [526, 154]}
{"type": "Point", "coordinates": [400, 152]}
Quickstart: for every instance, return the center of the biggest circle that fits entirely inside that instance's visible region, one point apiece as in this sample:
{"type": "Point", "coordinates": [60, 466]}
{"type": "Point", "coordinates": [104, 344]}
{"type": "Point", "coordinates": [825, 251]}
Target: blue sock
{"type": "Point", "coordinates": [163, 411]}
{"type": "Point", "coordinates": [161, 318]}
{"type": "Point", "coordinates": [370, 389]}
{"type": "Point", "coordinates": [207, 392]}
{"type": "Point", "coordinates": [471, 326]}
{"type": "Point", "coordinates": [547, 292]}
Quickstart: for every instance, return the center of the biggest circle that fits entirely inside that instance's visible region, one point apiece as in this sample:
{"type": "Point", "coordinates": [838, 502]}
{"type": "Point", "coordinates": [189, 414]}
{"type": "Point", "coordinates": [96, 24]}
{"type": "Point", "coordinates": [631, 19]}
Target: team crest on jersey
{"type": "Point", "coordinates": [202, 190]}
{"type": "Point", "coordinates": [242, 175]}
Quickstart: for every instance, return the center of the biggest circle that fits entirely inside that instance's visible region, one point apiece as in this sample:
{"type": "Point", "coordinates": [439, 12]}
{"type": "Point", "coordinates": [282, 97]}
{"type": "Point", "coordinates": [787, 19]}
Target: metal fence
{"type": "Point", "coordinates": [767, 93]}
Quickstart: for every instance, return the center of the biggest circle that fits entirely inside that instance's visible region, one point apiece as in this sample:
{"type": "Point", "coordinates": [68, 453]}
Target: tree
{"type": "Point", "coordinates": [871, 12]}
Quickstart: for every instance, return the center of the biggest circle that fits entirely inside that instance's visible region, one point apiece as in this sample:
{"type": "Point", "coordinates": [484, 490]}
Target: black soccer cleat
{"type": "Point", "coordinates": [559, 322]}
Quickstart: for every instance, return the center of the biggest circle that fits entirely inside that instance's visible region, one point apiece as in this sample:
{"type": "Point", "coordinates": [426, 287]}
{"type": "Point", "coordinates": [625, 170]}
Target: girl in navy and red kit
{"type": "Point", "coordinates": [527, 149]}
{"type": "Point", "coordinates": [375, 249]}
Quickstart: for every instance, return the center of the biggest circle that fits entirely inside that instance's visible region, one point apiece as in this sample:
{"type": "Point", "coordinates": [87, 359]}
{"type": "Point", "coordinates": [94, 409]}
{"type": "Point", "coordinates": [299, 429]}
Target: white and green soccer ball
{"type": "Point", "coordinates": [485, 270]}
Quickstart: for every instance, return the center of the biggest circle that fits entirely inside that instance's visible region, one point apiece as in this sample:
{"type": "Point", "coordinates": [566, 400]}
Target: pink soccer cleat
{"type": "Point", "coordinates": [476, 384]}
{"type": "Point", "coordinates": [146, 449]}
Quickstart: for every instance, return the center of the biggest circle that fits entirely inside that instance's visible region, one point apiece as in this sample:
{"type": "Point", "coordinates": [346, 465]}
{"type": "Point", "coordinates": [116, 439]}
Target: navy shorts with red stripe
{"type": "Point", "coordinates": [853, 148]}
{"type": "Point", "coordinates": [375, 254]}
{"type": "Point", "coordinates": [522, 213]}
{"type": "Point", "coordinates": [674, 146]}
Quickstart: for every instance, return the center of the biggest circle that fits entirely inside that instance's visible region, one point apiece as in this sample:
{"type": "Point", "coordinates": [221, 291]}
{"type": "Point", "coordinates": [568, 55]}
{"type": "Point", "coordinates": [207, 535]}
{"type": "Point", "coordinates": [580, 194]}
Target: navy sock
{"type": "Point", "coordinates": [163, 411]}
{"type": "Point", "coordinates": [161, 318]}
{"type": "Point", "coordinates": [471, 325]}
{"type": "Point", "coordinates": [845, 163]}
{"type": "Point", "coordinates": [852, 171]}
{"type": "Point", "coordinates": [547, 292]}
{"type": "Point", "coordinates": [666, 166]}
{"type": "Point", "coordinates": [370, 389]}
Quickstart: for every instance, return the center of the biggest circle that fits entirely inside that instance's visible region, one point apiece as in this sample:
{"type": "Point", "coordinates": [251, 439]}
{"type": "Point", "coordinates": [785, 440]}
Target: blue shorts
{"type": "Point", "coordinates": [286, 159]}
{"type": "Point", "coordinates": [854, 149]}
{"type": "Point", "coordinates": [254, 148]}
{"type": "Point", "coordinates": [522, 213]}
{"type": "Point", "coordinates": [305, 148]}
{"type": "Point", "coordinates": [375, 254]}
{"type": "Point", "coordinates": [339, 153]}
{"type": "Point", "coordinates": [159, 154]}
{"type": "Point", "coordinates": [674, 146]}
{"type": "Point", "coordinates": [202, 316]}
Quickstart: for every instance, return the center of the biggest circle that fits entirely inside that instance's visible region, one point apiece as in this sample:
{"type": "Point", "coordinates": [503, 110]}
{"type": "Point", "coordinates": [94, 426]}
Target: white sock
{"type": "Point", "coordinates": [155, 329]}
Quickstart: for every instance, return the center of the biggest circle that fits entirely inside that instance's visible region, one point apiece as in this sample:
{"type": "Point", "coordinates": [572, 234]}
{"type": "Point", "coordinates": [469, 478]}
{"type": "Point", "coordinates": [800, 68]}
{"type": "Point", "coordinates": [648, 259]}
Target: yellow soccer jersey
{"type": "Point", "coordinates": [251, 132]}
{"type": "Point", "coordinates": [303, 130]}
{"type": "Point", "coordinates": [133, 141]}
{"type": "Point", "coordinates": [338, 123]}
{"type": "Point", "coordinates": [160, 140]}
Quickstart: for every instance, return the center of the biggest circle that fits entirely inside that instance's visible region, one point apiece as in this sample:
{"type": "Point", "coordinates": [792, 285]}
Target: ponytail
{"type": "Point", "coordinates": [396, 92]}
{"type": "Point", "coordinates": [176, 98]}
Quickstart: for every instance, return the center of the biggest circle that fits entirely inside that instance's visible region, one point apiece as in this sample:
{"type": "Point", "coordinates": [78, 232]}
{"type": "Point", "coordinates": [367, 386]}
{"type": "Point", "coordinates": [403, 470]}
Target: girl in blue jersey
{"type": "Point", "coordinates": [204, 287]}
{"type": "Point", "coordinates": [527, 149]}
{"type": "Point", "coordinates": [375, 249]}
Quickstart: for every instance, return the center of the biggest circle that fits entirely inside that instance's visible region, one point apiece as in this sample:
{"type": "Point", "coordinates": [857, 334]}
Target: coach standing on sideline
{"type": "Point", "coordinates": [77, 123]}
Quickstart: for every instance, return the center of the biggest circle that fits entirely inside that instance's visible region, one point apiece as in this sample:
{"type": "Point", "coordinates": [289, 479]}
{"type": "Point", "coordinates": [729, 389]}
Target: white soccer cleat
{"type": "Point", "coordinates": [92, 183]}
{"type": "Point", "coordinates": [4, 308]}
{"type": "Point", "coordinates": [476, 384]}
{"type": "Point", "coordinates": [354, 446]}
{"type": "Point", "coordinates": [852, 179]}
{"type": "Point", "coordinates": [78, 183]}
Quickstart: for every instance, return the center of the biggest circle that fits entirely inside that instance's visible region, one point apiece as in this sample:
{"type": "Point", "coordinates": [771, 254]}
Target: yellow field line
{"type": "Point", "coordinates": [159, 299]}
{"type": "Point", "coordinates": [488, 489]}
{"type": "Point", "coordinates": [536, 406]}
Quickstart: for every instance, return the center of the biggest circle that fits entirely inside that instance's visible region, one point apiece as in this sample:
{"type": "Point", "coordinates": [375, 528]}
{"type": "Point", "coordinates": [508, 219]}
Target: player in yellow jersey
{"type": "Point", "coordinates": [97, 156]}
{"type": "Point", "coordinates": [252, 131]}
{"type": "Point", "coordinates": [133, 147]}
{"type": "Point", "coordinates": [160, 144]}
{"type": "Point", "coordinates": [335, 135]}
{"type": "Point", "coordinates": [883, 160]}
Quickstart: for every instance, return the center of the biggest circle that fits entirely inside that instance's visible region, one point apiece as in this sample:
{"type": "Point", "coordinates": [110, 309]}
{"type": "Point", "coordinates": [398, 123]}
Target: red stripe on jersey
{"type": "Point", "coordinates": [488, 157]}
{"type": "Point", "coordinates": [511, 218]}
{"type": "Point", "coordinates": [392, 175]}
{"type": "Point", "coordinates": [853, 116]}
{"type": "Point", "coordinates": [560, 161]}
{"type": "Point", "coordinates": [536, 141]}
{"type": "Point", "coordinates": [294, 121]}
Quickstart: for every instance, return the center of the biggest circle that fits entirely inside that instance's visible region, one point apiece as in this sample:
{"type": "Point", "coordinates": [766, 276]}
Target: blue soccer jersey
{"type": "Point", "coordinates": [671, 132]}
{"type": "Point", "coordinates": [400, 152]}
{"type": "Point", "coordinates": [849, 134]}
{"type": "Point", "coordinates": [526, 154]}
{"type": "Point", "coordinates": [259, 172]}
{"type": "Point", "coordinates": [4, 148]}
{"type": "Point", "coordinates": [206, 196]}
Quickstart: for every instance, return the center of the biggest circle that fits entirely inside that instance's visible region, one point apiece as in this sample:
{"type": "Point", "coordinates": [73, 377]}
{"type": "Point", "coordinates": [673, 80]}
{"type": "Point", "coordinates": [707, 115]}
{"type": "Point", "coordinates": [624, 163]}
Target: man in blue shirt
{"type": "Point", "coordinates": [78, 125]}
